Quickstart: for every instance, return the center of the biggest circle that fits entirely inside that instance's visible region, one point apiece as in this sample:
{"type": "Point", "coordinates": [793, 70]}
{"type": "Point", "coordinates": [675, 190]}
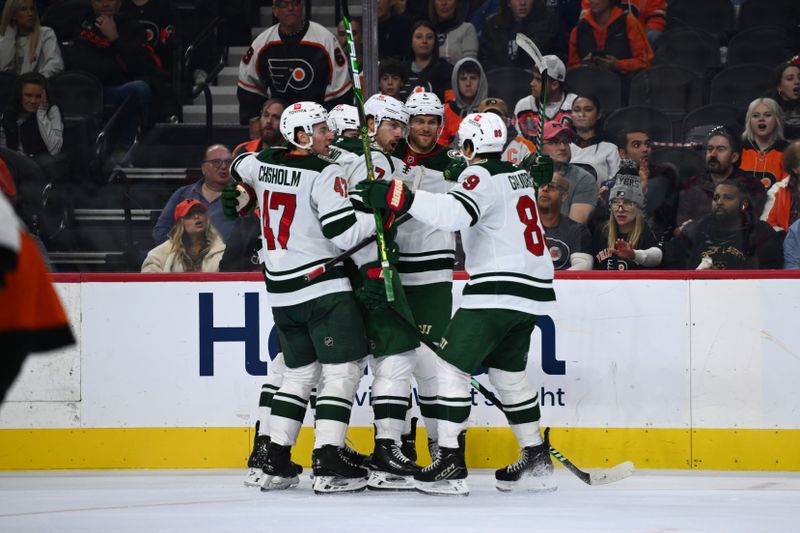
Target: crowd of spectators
{"type": "Point", "coordinates": [609, 207]}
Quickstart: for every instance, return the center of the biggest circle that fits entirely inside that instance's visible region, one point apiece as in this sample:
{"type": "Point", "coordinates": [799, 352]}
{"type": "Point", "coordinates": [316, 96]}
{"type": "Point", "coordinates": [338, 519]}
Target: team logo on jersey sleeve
{"type": "Point", "coordinates": [295, 73]}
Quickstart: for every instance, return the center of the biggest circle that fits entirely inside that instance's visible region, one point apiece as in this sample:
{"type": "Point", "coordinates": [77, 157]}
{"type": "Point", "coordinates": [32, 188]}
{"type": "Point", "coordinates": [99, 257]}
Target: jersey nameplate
{"type": "Point", "coordinates": [279, 176]}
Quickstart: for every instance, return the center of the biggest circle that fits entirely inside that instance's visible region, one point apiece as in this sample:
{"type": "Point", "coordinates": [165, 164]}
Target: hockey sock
{"type": "Point", "coordinates": [337, 387]}
{"type": "Point", "coordinates": [290, 402]}
{"type": "Point", "coordinates": [391, 381]}
{"type": "Point", "coordinates": [425, 375]}
{"type": "Point", "coordinates": [268, 390]}
{"type": "Point", "coordinates": [520, 404]}
{"type": "Point", "coordinates": [453, 402]}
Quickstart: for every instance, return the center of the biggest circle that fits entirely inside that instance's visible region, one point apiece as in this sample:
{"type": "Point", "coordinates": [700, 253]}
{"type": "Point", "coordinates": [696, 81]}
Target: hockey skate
{"type": "Point", "coordinates": [279, 473]}
{"type": "Point", "coordinates": [390, 469]}
{"type": "Point", "coordinates": [257, 460]}
{"type": "Point", "coordinates": [447, 476]}
{"type": "Point", "coordinates": [532, 472]}
{"type": "Point", "coordinates": [334, 473]}
{"type": "Point", "coordinates": [408, 442]}
{"type": "Point", "coordinates": [433, 449]}
{"type": "Point", "coordinates": [358, 459]}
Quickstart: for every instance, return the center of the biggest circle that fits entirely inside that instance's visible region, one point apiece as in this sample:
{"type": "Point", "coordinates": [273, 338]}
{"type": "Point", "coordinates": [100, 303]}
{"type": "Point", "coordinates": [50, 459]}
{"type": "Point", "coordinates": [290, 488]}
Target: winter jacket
{"type": "Point", "coordinates": [498, 47]}
{"type": "Point", "coordinates": [33, 133]}
{"type": "Point", "coordinates": [457, 41]}
{"type": "Point", "coordinates": [651, 14]}
{"type": "Point", "coordinates": [163, 259]}
{"type": "Point", "coordinates": [622, 37]}
{"type": "Point", "coordinates": [456, 109]}
{"type": "Point", "coordinates": [46, 60]}
{"type": "Point", "coordinates": [782, 206]}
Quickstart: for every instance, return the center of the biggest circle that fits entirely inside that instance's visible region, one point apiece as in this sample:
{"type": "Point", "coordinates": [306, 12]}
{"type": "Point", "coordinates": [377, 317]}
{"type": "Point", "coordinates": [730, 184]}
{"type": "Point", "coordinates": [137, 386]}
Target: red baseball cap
{"type": "Point", "coordinates": [183, 208]}
{"type": "Point", "coordinates": [553, 128]}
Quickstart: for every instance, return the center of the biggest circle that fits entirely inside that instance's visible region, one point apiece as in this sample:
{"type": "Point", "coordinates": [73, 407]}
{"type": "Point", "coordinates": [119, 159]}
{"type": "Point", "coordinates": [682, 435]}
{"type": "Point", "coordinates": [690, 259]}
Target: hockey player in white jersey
{"type": "Point", "coordinates": [306, 219]}
{"type": "Point", "coordinates": [343, 121]}
{"type": "Point", "coordinates": [427, 254]}
{"type": "Point", "coordinates": [511, 283]}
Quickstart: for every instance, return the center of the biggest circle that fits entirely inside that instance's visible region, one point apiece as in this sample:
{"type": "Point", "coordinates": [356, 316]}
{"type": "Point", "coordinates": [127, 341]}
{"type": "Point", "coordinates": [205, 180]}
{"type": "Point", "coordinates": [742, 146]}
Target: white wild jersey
{"type": "Point", "coordinates": [427, 254]}
{"type": "Point", "coordinates": [507, 257]}
{"type": "Point", "coordinates": [306, 219]}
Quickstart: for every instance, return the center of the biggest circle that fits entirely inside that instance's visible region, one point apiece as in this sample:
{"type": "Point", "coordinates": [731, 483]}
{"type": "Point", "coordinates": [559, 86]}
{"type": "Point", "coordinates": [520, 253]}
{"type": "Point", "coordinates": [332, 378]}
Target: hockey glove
{"type": "Point", "coordinates": [539, 167]}
{"type": "Point", "coordinates": [383, 194]}
{"type": "Point", "coordinates": [237, 199]}
{"type": "Point", "coordinates": [454, 168]}
{"type": "Point", "coordinates": [372, 293]}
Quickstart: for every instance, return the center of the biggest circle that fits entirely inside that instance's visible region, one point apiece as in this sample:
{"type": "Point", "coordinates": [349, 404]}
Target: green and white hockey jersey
{"type": "Point", "coordinates": [427, 254]}
{"type": "Point", "coordinates": [494, 206]}
{"type": "Point", "coordinates": [306, 218]}
{"type": "Point", "coordinates": [349, 153]}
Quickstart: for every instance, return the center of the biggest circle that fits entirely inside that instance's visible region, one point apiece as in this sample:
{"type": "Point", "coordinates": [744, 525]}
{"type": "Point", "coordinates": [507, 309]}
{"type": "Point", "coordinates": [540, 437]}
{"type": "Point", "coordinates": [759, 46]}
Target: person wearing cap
{"type": "Point", "coordinates": [582, 185]}
{"type": "Point", "coordinates": [470, 87]}
{"type": "Point", "coordinates": [497, 45]}
{"type": "Point", "coordinates": [215, 168]}
{"type": "Point", "coordinates": [559, 100]}
{"type": "Point", "coordinates": [193, 246]}
{"type": "Point", "coordinates": [626, 241]}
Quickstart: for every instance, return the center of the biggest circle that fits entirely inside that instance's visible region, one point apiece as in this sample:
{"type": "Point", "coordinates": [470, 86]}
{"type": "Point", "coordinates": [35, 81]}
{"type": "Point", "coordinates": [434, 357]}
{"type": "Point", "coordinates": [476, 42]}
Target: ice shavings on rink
{"type": "Point", "coordinates": [156, 501]}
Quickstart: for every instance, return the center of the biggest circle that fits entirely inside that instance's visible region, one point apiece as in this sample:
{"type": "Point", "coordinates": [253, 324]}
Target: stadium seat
{"type": "Point", "coordinates": [762, 45]}
{"type": "Point", "coordinates": [699, 122]}
{"type": "Point", "coordinates": [775, 13]}
{"type": "Point", "coordinates": [602, 83]}
{"type": "Point", "coordinates": [681, 162]}
{"type": "Point", "coordinates": [510, 84]}
{"type": "Point", "coordinates": [6, 90]}
{"type": "Point", "coordinates": [656, 122]}
{"type": "Point", "coordinates": [740, 84]}
{"type": "Point", "coordinates": [714, 16]}
{"type": "Point", "coordinates": [670, 88]}
{"type": "Point", "coordinates": [688, 47]}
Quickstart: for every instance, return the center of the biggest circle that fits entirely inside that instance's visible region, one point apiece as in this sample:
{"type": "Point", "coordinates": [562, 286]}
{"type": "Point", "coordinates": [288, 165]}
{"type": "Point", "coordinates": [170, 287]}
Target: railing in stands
{"type": "Point", "coordinates": [216, 30]}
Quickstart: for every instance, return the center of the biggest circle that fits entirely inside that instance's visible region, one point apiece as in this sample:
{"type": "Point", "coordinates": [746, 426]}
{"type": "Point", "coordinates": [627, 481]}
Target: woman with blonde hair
{"type": "Point", "coordinates": [193, 245]}
{"type": "Point", "coordinates": [763, 143]}
{"type": "Point", "coordinates": [626, 241]}
{"type": "Point", "coordinates": [26, 45]}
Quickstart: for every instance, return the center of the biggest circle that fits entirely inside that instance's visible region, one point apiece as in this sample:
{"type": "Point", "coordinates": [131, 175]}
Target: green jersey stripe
{"type": "Point", "coordinates": [511, 288]}
{"type": "Point", "coordinates": [405, 267]}
{"type": "Point", "coordinates": [326, 216]}
{"type": "Point", "coordinates": [307, 266]}
{"type": "Point", "coordinates": [471, 210]}
{"type": "Point", "coordinates": [431, 252]}
{"type": "Point", "coordinates": [337, 227]}
{"type": "Point", "coordinates": [510, 275]}
{"type": "Point", "coordinates": [295, 284]}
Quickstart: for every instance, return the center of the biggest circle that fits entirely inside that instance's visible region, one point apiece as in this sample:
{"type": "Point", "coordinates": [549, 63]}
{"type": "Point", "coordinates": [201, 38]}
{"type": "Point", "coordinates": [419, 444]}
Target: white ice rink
{"type": "Point", "coordinates": [216, 501]}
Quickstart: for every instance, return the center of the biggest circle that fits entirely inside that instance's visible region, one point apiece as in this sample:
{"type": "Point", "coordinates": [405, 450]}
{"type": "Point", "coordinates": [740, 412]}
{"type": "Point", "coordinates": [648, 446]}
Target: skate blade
{"type": "Point", "coordinates": [387, 482]}
{"type": "Point", "coordinates": [338, 485]}
{"type": "Point", "coordinates": [445, 487]}
{"type": "Point", "coordinates": [253, 478]}
{"type": "Point", "coordinates": [534, 484]}
{"type": "Point", "coordinates": [278, 483]}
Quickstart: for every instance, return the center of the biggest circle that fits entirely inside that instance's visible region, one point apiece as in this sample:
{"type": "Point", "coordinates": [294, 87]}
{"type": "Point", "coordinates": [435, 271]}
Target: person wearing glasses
{"type": "Point", "coordinates": [626, 241]}
{"type": "Point", "coordinates": [216, 170]}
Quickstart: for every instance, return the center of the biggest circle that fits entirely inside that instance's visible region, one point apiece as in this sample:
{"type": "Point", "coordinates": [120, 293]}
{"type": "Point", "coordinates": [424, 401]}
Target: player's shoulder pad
{"type": "Point", "coordinates": [349, 144]}
{"type": "Point", "coordinates": [497, 166]}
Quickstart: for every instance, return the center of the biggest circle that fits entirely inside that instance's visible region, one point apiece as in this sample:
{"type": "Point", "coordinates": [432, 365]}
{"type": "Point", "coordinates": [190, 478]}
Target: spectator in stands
{"type": "Point", "coordinates": [295, 60]}
{"type": "Point", "coordinates": [588, 146]}
{"type": "Point", "coordinates": [783, 203]}
{"type": "Point", "coordinates": [568, 13]}
{"type": "Point", "coordinates": [457, 39]}
{"type": "Point", "coordinates": [729, 237]}
{"type": "Point", "coordinates": [26, 45]}
{"type": "Point", "coordinates": [193, 246]}
{"type": "Point", "coordinates": [425, 68]}
{"type": "Point", "coordinates": [358, 38]}
{"type": "Point", "coordinates": [559, 100]}
{"type": "Point", "coordinates": [651, 14]}
{"type": "Point", "coordinates": [269, 128]}
{"type": "Point", "coordinates": [659, 184]}
{"type": "Point", "coordinates": [470, 87]}
{"type": "Point", "coordinates": [158, 20]}
{"type": "Point", "coordinates": [242, 249]}
{"type": "Point", "coordinates": [608, 37]}
{"type": "Point", "coordinates": [582, 193]}
{"type": "Point", "coordinates": [570, 243]}
{"type": "Point", "coordinates": [787, 94]}
{"type": "Point", "coordinates": [498, 46]}
{"type": "Point", "coordinates": [208, 189]}
{"type": "Point", "coordinates": [499, 108]}
{"type": "Point", "coordinates": [394, 32]}
{"type": "Point", "coordinates": [33, 126]}
{"type": "Point", "coordinates": [791, 247]}
{"type": "Point", "coordinates": [392, 77]}
{"type": "Point", "coordinates": [762, 149]}
{"type": "Point", "coordinates": [626, 241]}
{"type": "Point", "coordinates": [722, 156]}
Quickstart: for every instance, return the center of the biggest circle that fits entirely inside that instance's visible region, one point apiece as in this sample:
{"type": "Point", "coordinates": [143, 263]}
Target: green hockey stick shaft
{"type": "Point", "coordinates": [384, 258]}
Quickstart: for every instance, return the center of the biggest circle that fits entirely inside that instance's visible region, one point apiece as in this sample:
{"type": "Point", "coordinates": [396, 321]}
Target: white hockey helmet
{"type": "Point", "coordinates": [383, 107]}
{"type": "Point", "coordinates": [421, 102]}
{"type": "Point", "coordinates": [487, 132]}
{"type": "Point", "coordinates": [301, 115]}
{"type": "Point", "coordinates": [343, 117]}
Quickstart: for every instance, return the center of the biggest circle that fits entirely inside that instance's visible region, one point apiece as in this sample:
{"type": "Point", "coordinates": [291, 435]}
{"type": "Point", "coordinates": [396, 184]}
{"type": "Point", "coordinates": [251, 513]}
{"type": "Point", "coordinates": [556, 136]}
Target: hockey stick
{"type": "Point", "coordinates": [602, 476]}
{"type": "Point", "coordinates": [362, 118]}
{"type": "Point", "coordinates": [530, 48]}
{"type": "Point", "coordinates": [320, 270]}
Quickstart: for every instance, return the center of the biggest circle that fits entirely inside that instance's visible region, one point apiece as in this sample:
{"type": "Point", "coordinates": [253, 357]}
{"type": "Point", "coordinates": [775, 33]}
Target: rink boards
{"type": "Point", "coordinates": [669, 370]}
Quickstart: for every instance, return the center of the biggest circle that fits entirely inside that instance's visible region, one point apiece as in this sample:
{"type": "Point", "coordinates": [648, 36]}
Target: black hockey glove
{"type": "Point", "coordinates": [372, 293]}
{"type": "Point", "coordinates": [385, 194]}
{"type": "Point", "coordinates": [539, 167]}
{"type": "Point", "coordinates": [237, 199]}
{"type": "Point", "coordinates": [454, 168]}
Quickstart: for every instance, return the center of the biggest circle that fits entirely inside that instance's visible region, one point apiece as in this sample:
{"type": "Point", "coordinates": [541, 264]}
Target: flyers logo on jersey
{"type": "Point", "coordinates": [292, 73]}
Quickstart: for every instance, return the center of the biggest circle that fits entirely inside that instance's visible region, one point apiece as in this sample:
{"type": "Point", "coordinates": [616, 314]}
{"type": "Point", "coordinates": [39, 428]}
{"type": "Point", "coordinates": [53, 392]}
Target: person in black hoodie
{"type": "Point", "coordinates": [498, 47]}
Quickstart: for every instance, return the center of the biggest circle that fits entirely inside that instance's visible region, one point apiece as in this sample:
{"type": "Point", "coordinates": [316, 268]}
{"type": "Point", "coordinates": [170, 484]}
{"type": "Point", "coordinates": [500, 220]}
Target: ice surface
{"type": "Point", "coordinates": [216, 501]}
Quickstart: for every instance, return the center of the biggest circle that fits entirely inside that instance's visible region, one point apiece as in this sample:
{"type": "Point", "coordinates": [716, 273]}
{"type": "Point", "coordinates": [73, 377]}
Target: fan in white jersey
{"type": "Point", "coordinates": [307, 219]}
{"type": "Point", "coordinates": [511, 283]}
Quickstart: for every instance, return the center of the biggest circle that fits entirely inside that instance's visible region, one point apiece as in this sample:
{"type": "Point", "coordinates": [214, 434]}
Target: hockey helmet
{"type": "Point", "coordinates": [486, 131]}
{"type": "Point", "coordinates": [301, 115]}
{"type": "Point", "coordinates": [343, 117]}
{"type": "Point", "coordinates": [383, 107]}
{"type": "Point", "coordinates": [424, 103]}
